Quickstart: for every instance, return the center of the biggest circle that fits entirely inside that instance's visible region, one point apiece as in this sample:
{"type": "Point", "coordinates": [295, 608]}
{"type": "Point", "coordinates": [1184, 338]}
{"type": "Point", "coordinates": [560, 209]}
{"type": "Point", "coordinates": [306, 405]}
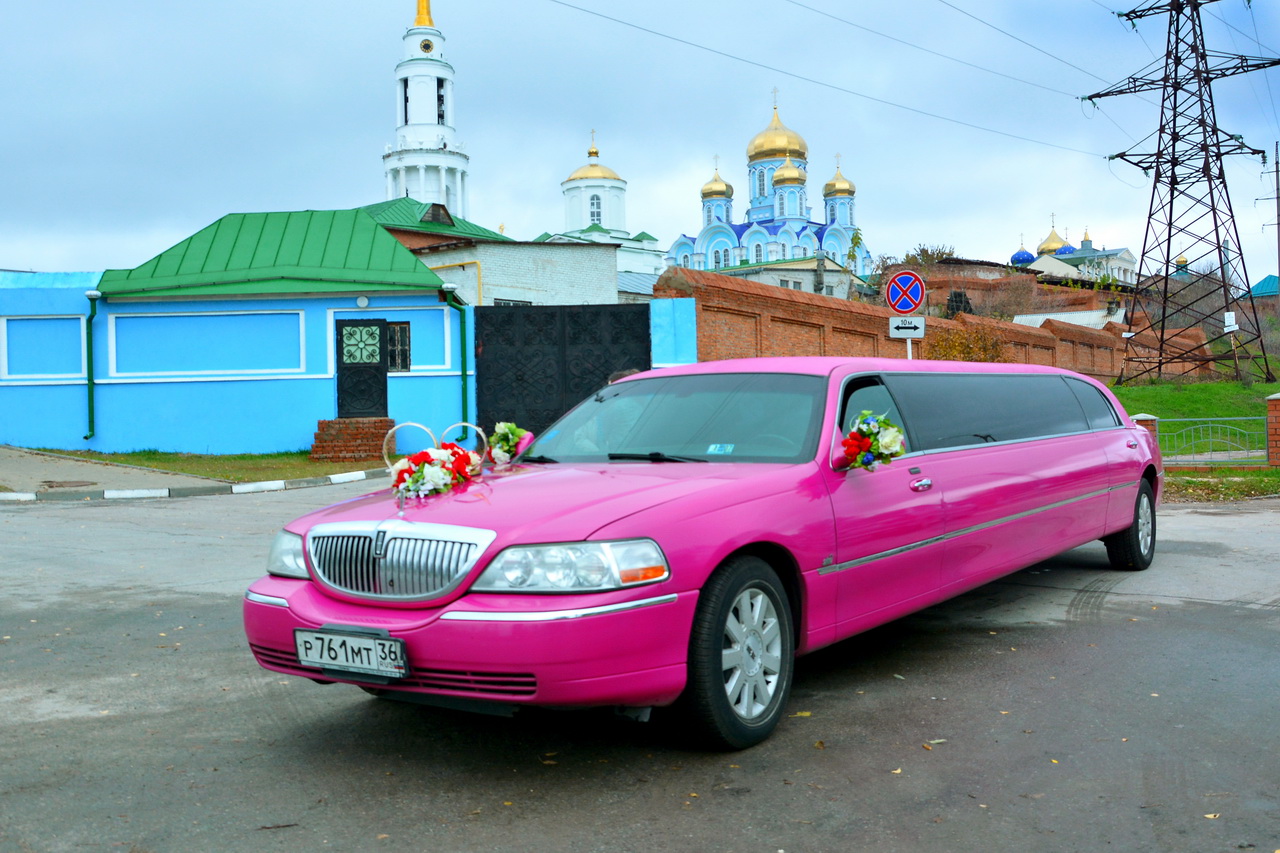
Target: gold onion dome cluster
{"type": "Point", "coordinates": [717, 187]}
{"type": "Point", "coordinates": [789, 173]}
{"type": "Point", "coordinates": [593, 170]}
{"type": "Point", "coordinates": [839, 185]}
{"type": "Point", "coordinates": [777, 140]}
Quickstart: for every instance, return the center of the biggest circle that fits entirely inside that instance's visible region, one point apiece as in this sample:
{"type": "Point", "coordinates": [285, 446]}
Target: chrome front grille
{"type": "Point", "coordinates": [395, 560]}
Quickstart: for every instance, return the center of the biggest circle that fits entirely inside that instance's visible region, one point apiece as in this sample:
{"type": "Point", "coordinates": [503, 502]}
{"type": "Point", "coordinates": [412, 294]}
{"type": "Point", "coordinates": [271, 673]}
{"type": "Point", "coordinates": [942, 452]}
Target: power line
{"type": "Point", "coordinates": [1021, 40]}
{"type": "Point", "coordinates": [793, 75]}
{"type": "Point", "coordinates": [1266, 78]}
{"type": "Point", "coordinates": [928, 51]}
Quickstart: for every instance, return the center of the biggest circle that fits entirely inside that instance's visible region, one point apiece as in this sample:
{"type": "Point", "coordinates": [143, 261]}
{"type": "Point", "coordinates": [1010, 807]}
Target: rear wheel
{"type": "Point", "coordinates": [741, 656]}
{"type": "Point", "coordinates": [1133, 548]}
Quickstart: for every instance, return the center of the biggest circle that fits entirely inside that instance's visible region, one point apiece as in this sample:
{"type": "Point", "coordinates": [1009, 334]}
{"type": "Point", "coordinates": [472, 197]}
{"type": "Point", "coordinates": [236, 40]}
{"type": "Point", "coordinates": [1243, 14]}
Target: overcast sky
{"type": "Point", "coordinates": [127, 126]}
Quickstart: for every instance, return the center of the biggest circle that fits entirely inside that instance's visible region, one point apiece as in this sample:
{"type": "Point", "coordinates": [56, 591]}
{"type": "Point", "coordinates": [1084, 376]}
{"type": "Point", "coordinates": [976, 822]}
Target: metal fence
{"type": "Point", "coordinates": [1214, 441]}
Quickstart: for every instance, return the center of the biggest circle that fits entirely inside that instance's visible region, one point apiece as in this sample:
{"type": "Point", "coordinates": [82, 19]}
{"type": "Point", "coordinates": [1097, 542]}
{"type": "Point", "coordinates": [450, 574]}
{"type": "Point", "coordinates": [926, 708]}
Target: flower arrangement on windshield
{"type": "Point", "coordinates": [434, 471]}
{"type": "Point", "coordinates": [507, 442]}
{"type": "Point", "coordinates": [873, 442]}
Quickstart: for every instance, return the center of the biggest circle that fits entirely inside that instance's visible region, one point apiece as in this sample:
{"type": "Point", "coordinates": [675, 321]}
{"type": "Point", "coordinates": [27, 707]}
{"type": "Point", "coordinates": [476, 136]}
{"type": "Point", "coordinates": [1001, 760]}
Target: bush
{"type": "Point", "coordinates": [967, 343]}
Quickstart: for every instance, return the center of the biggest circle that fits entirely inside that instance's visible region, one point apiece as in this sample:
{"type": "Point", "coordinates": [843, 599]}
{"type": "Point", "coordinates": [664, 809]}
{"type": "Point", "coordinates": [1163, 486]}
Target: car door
{"type": "Point", "coordinates": [888, 523]}
{"type": "Point", "coordinates": [1024, 479]}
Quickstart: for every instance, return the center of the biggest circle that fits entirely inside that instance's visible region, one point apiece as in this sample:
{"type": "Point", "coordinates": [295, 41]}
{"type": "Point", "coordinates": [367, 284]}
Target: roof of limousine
{"type": "Point", "coordinates": [826, 365]}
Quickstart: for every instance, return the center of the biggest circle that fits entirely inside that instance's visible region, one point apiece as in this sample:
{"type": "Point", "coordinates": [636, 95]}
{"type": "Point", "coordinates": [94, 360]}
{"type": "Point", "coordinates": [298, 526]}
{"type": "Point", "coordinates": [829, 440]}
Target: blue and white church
{"type": "Point", "coordinates": [779, 224]}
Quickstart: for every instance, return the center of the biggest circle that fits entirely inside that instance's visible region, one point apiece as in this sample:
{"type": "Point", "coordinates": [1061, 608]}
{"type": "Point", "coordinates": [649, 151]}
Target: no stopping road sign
{"type": "Point", "coordinates": [905, 292]}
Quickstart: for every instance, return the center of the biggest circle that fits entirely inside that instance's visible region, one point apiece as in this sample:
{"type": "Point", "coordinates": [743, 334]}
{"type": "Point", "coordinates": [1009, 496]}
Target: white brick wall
{"type": "Point", "coordinates": [537, 273]}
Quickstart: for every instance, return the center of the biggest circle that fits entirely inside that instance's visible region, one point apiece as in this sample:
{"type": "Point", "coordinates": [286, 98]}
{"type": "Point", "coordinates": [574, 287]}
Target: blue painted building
{"type": "Point", "coordinates": [232, 341]}
{"type": "Point", "coordinates": [778, 224]}
{"type": "Point", "coordinates": [225, 343]}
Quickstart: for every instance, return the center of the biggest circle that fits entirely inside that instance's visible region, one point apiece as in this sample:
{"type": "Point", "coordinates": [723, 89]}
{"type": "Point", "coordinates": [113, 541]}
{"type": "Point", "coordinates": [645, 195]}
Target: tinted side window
{"type": "Point", "coordinates": [959, 409]}
{"type": "Point", "coordinates": [867, 395]}
{"type": "Point", "coordinates": [1097, 408]}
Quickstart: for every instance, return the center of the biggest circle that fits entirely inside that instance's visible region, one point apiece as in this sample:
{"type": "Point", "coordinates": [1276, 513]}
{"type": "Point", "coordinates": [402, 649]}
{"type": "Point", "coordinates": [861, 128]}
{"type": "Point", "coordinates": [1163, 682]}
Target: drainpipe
{"type": "Point", "coordinates": [451, 301]}
{"type": "Point", "coordinates": [93, 296]}
{"type": "Point", "coordinates": [479, 276]}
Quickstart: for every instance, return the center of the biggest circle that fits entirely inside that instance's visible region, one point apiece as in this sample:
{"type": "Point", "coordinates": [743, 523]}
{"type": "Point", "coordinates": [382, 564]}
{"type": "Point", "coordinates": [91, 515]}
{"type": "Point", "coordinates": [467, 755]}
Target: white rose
{"type": "Point", "coordinates": [500, 456]}
{"type": "Point", "coordinates": [434, 479]}
{"type": "Point", "coordinates": [402, 465]}
{"type": "Point", "coordinates": [891, 441]}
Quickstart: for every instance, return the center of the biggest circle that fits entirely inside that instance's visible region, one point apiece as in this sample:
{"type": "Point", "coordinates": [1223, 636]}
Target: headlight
{"type": "Point", "coordinates": [286, 559]}
{"type": "Point", "coordinates": [574, 567]}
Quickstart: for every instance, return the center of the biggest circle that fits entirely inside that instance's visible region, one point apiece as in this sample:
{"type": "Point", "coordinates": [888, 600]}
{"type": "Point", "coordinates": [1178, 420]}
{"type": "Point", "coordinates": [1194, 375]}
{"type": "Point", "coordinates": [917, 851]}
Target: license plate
{"type": "Point", "coordinates": [356, 653]}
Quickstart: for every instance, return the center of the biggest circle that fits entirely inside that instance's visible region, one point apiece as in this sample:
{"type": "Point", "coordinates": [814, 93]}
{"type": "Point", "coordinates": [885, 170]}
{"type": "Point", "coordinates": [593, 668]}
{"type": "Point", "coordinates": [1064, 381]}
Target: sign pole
{"type": "Point", "coordinates": [908, 349]}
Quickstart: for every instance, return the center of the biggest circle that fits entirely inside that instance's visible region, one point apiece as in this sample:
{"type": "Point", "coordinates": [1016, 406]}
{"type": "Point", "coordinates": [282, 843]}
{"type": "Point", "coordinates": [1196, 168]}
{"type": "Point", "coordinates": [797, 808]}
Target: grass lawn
{"type": "Point", "coordinates": [1177, 400]}
{"type": "Point", "coordinates": [1225, 484]}
{"type": "Point", "coordinates": [237, 468]}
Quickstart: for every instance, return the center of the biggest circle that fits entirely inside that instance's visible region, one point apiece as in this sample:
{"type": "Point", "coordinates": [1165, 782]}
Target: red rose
{"type": "Point", "coordinates": [856, 445]}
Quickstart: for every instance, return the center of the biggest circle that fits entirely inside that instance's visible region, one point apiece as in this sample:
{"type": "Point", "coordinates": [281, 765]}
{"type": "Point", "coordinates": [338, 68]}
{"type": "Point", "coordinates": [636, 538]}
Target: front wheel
{"type": "Point", "coordinates": [1133, 548]}
{"type": "Point", "coordinates": [741, 656]}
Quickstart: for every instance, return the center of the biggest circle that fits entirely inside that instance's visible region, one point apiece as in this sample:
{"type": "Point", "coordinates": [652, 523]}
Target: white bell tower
{"type": "Point", "coordinates": [426, 162]}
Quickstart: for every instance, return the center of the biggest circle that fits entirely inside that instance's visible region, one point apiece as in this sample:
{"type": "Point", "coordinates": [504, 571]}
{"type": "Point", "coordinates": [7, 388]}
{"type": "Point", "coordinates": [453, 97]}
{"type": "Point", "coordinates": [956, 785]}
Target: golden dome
{"type": "Point", "coordinates": [1051, 244]}
{"type": "Point", "coordinates": [717, 187]}
{"type": "Point", "coordinates": [839, 185]}
{"type": "Point", "coordinates": [593, 170]}
{"type": "Point", "coordinates": [789, 173]}
{"type": "Point", "coordinates": [1182, 261]}
{"type": "Point", "coordinates": [777, 140]}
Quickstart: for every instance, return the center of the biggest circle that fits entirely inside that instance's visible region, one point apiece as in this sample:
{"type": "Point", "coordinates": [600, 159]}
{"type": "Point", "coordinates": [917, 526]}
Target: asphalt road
{"type": "Point", "coordinates": [1067, 708]}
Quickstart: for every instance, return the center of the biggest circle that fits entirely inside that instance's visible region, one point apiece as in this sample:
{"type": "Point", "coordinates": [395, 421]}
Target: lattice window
{"type": "Point", "coordinates": [398, 348]}
{"type": "Point", "coordinates": [597, 213]}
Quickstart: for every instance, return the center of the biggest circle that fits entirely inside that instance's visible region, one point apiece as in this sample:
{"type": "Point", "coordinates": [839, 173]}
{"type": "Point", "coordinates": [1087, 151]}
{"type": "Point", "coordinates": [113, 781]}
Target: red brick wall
{"type": "Point", "coordinates": [350, 439]}
{"type": "Point", "coordinates": [1273, 430]}
{"type": "Point", "coordinates": [742, 319]}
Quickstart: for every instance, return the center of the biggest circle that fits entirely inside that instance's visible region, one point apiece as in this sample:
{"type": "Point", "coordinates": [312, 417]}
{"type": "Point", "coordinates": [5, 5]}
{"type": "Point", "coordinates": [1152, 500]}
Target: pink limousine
{"type": "Point", "coordinates": [683, 534]}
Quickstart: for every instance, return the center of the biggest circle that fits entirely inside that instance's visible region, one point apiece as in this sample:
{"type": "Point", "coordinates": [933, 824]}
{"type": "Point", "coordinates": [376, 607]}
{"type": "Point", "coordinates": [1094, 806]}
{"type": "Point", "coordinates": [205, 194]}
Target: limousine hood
{"type": "Point", "coordinates": [565, 502]}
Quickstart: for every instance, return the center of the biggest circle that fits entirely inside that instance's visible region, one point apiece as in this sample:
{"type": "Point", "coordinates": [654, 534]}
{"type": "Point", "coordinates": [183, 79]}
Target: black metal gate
{"type": "Point", "coordinates": [362, 368]}
{"type": "Point", "coordinates": [534, 363]}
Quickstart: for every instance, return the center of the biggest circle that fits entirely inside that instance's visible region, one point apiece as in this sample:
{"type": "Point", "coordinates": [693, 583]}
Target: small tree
{"type": "Point", "coordinates": [966, 343]}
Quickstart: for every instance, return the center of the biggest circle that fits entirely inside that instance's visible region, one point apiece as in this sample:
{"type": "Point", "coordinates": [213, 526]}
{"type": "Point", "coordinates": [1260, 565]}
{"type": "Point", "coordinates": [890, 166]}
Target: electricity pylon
{"type": "Point", "coordinates": [1192, 273]}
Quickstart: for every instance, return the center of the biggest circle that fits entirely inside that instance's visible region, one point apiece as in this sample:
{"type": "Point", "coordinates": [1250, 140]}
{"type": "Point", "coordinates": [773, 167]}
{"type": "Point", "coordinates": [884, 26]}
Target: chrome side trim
{"type": "Point", "coordinates": [553, 615]}
{"type": "Point", "coordinates": [956, 534]}
{"type": "Point", "coordinates": [259, 598]}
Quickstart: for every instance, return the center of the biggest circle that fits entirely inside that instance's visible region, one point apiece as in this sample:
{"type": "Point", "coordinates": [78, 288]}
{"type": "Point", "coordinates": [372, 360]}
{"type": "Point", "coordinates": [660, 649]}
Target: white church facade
{"type": "Point", "coordinates": [595, 211]}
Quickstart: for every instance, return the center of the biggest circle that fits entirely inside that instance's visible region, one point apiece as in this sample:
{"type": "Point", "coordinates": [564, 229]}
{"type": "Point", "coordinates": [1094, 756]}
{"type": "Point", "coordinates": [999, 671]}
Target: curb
{"type": "Point", "coordinates": [195, 491]}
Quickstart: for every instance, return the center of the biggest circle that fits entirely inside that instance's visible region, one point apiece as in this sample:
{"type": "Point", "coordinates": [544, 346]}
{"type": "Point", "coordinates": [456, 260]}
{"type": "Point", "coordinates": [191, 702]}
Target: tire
{"type": "Point", "coordinates": [741, 657]}
{"type": "Point", "coordinates": [1133, 548]}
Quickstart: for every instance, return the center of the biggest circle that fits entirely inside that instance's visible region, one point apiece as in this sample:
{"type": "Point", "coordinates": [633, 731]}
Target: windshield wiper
{"type": "Point", "coordinates": [537, 459]}
{"type": "Point", "coordinates": [654, 456]}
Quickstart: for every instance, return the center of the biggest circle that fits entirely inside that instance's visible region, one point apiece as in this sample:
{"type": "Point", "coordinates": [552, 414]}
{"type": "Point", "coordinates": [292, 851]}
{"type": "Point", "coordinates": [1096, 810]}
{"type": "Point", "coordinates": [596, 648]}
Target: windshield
{"type": "Point", "coordinates": [721, 417]}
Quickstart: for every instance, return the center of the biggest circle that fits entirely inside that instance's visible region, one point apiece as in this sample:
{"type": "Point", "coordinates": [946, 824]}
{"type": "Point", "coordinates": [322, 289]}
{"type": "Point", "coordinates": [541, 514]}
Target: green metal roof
{"type": "Point", "coordinates": [305, 251]}
{"type": "Point", "coordinates": [410, 215]}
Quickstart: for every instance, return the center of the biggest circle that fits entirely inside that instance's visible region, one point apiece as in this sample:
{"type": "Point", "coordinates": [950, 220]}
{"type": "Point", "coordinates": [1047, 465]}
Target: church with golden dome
{"type": "Point", "coordinates": [595, 211]}
{"type": "Point", "coordinates": [779, 224]}
{"type": "Point", "coordinates": [1056, 256]}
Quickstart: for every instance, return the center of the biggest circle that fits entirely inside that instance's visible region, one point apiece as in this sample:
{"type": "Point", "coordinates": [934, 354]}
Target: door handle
{"type": "Point", "coordinates": [1131, 444]}
{"type": "Point", "coordinates": [922, 485]}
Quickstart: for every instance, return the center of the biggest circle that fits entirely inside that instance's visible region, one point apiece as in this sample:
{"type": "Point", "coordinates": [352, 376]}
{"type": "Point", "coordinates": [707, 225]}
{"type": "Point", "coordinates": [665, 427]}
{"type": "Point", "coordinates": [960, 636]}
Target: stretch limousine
{"type": "Point", "coordinates": [683, 534]}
